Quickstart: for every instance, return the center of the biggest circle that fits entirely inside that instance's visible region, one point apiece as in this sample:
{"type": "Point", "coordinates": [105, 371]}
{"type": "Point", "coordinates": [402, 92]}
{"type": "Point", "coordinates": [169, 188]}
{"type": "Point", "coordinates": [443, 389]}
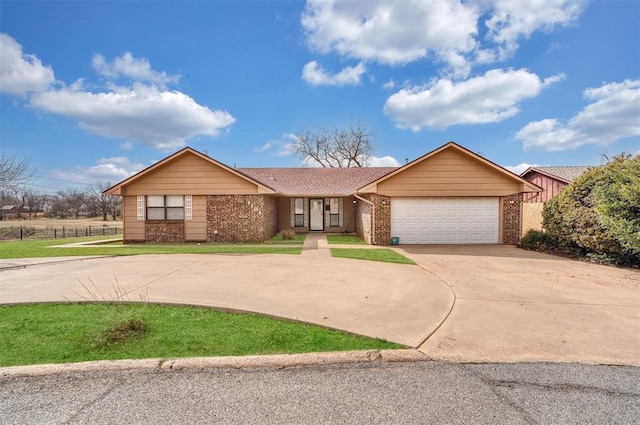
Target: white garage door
{"type": "Point", "coordinates": [444, 220]}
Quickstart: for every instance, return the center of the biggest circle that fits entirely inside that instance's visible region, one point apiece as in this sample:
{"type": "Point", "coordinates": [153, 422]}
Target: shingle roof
{"type": "Point", "coordinates": [312, 181]}
{"type": "Point", "coordinates": [566, 173]}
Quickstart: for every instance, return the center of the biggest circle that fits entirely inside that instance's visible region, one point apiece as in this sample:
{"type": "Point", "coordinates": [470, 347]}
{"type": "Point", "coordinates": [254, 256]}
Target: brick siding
{"type": "Point", "coordinates": [241, 218]}
{"type": "Point", "coordinates": [511, 206]}
{"type": "Point", "coordinates": [382, 223]}
{"type": "Point", "coordinates": [164, 231]}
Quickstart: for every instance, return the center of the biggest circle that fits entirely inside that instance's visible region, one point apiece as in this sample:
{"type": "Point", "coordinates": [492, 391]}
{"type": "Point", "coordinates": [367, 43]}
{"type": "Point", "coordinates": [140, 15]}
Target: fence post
{"type": "Point", "coordinates": [55, 233]}
{"type": "Point", "coordinates": [63, 236]}
{"type": "Point", "coordinates": [90, 231]}
{"type": "Point", "coordinates": [21, 233]}
{"type": "Point", "coordinates": [86, 232]}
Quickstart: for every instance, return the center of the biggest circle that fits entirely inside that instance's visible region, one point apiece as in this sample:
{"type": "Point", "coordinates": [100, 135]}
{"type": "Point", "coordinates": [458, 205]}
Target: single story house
{"type": "Point", "coordinates": [552, 179]}
{"type": "Point", "coordinates": [450, 195]}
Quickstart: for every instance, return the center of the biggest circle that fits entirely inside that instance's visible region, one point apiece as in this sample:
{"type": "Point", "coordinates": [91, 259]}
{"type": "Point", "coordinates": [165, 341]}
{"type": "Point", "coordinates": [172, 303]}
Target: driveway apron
{"type": "Point", "coordinates": [514, 305]}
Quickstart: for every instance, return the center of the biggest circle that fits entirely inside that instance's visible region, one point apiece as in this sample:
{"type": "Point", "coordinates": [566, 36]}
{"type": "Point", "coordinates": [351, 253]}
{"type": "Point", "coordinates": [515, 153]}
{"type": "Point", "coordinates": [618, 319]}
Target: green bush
{"type": "Point", "coordinates": [535, 240]}
{"type": "Point", "coordinates": [599, 212]}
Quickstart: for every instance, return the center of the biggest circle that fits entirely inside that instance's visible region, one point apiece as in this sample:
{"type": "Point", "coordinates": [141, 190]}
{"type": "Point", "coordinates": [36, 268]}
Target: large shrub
{"type": "Point", "coordinates": [599, 212]}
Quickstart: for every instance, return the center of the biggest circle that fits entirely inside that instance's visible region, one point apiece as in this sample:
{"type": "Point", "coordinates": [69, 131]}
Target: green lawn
{"type": "Point", "coordinates": [58, 333]}
{"type": "Point", "coordinates": [378, 254]}
{"type": "Point", "coordinates": [43, 248]}
{"type": "Point", "coordinates": [277, 239]}
{"type": "Point", "coordinates": [345, 239]}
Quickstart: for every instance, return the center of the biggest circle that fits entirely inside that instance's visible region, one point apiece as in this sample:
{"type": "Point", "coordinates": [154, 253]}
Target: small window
{"type": "Point", "coordinates": [298, 212]}
{"type": "Point", "coordinates": [169, 207]}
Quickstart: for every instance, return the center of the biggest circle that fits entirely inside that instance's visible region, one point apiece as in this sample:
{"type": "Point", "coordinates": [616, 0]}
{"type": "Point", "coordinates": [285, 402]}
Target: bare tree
{"type": "Point", "coordinates": [33, 201]}
{"type": "Point", "coordinates": [100, 203]}
{"type": "Point", "coordinates": [336, 147]}
{"type": "Point", "coordinates": [70, 202]}
{"type": "Point", "coordinates": [15, 172]}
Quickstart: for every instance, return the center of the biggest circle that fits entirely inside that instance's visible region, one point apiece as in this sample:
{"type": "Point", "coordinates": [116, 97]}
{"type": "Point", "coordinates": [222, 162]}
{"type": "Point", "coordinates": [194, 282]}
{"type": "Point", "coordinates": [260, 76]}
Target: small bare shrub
{"type": "Point", "coordinates": [287, 234]}
{"type": "Point", "coordinates": [122, 331]}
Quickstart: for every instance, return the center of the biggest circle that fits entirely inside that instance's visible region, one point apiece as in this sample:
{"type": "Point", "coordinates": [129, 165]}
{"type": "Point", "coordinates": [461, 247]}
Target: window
{"type": "Point", "coordinates": [165, 207]}
{"type": "Point", "coordinates": [334, 212]}
{"type": "Point", "coordinates": [298, 212]}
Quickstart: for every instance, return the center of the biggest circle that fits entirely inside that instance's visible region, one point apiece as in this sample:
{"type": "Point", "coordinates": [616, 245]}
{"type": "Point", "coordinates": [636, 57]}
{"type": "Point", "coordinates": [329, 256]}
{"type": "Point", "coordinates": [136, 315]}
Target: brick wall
{"type": "Point", "coordinates": [511, 218]}
{"type": "Point", "coordinates": [382, 219]}
{"type": "Point", "coordinates": [241, 218]}
{"type": "Point", "coordinates": [164, 231]}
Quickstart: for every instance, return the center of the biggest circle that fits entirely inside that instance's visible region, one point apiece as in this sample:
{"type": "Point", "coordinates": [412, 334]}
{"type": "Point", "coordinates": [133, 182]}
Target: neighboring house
{"type": "Point", "coordinates": [9, 212]}
{"type": "Point", "coordinates": [449, 195]}
{"type": "Point", "coordinates": [552, 179]}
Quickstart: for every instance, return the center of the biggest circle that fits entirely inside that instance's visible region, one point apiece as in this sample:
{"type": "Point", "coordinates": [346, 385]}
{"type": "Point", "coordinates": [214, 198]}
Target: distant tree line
{"type": "Point", "coordinates": [19, 200]}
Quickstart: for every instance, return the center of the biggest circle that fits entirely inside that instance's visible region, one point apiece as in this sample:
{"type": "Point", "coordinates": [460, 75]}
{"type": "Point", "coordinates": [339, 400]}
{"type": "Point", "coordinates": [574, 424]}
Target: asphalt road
{"type": "Point", "coordinates": [397, 393]}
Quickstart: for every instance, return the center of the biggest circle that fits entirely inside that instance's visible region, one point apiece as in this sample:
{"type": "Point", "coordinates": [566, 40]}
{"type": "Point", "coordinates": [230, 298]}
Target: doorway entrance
{"type": "Point", "coordinates": [316, 215]}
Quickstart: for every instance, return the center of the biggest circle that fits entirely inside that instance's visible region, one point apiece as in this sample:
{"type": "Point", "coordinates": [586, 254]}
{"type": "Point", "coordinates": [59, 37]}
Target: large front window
{"type": "Point", "coordinates": [165, 207]}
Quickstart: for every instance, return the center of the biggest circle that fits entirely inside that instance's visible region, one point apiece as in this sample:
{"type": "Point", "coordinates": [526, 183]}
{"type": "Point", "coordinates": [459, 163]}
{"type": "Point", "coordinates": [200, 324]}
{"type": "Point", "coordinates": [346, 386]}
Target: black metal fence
{"type": "Point", "coordinates": [25, 232]}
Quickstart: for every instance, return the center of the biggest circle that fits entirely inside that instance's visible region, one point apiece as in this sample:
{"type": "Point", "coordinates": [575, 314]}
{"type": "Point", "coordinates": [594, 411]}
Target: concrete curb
{"type": "Point", "coordinates": [228, 362]}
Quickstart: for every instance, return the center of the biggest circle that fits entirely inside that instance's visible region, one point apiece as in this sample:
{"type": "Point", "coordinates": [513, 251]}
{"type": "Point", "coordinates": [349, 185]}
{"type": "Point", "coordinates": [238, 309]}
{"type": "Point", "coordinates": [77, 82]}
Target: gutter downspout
{"type": "Point", "coordinates": [373, 217]}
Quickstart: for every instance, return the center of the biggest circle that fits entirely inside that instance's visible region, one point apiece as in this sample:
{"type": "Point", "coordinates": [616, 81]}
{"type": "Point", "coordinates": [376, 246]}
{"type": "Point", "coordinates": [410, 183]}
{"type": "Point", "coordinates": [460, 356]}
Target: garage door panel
{"type": "Point", "coordinates": [445, 220]}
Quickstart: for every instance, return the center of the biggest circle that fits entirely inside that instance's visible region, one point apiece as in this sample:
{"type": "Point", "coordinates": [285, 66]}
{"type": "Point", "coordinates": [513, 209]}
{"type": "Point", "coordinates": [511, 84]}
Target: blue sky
{"type": "Point", "coordinates": [95, 90]}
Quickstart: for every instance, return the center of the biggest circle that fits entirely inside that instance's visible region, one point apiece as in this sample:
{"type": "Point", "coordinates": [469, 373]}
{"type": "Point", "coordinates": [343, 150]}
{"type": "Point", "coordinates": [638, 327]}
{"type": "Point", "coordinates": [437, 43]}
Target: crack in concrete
{"type": "Point", "coordinates": [96, 399]}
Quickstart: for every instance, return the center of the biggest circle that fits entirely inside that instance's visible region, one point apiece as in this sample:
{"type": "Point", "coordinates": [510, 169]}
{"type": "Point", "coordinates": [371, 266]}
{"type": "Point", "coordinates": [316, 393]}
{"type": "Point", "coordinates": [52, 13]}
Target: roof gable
{"type": "Point", "coordinates": [437, 170]}
{"type": "Point", "coordinates": [565, 174]}
{"type": "Point", "coordinates": [205, 163]}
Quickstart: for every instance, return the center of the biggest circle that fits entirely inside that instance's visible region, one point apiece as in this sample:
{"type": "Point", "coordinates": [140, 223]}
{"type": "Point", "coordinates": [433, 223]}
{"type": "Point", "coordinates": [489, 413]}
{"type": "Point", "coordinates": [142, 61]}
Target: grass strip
{"type": "Point", "coordinates": [371, 254]}
{"type": "Point", "coordinates": [345, 239]}
{"type": "Point", "coordinates": [60, 333]}
{"type": "Point", "coordinates": [45, 248]}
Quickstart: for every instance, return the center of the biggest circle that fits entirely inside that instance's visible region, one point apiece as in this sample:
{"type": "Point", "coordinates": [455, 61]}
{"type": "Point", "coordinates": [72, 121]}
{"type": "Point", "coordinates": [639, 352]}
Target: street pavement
{"type": "Point", "coordinates": [390, 393]}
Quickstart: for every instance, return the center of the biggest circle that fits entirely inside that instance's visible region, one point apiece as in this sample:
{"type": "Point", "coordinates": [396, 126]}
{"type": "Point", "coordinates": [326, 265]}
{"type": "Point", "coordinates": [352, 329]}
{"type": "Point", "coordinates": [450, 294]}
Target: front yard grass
{"type": "Point", "coordinates": [345, 239]}
{"type": "Point", "coordinates": [45, 248]}
{"type": "Point", "coordinates": [59, 333]}
{"type": "Point", "coordinates": [373, 254]}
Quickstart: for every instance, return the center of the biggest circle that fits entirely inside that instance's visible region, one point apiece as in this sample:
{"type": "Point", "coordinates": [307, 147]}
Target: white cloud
{"type": "Point", "coordinates": [281, 147]}
{"type": "Point", "coordinates": [146, 114]}
{"type": "Point", "coordinates": [489, 98]}
{"type": "Point", "coordinates": [520, 168]}
{"type": "Point", "coordinates": [612, 115]}
{"type": "Point", "coordinates": [383, 161]}
{"type": "Point", "coordinates": [110, 170]}
{"type": "Point", "coordinates": [389, 85]}
{"type": "Point", "coordinates": [511, 20]}
{"type": "Point", "coordinates": [137, 69]}
{"type": "Point", "coordinates": [397, 33]}
{"type": "Point", "coordinates": [393, 33]}
{"type": "Point", "coordinates": [21, 73]}
{"type": "Point", "coordinates": [314, 74]}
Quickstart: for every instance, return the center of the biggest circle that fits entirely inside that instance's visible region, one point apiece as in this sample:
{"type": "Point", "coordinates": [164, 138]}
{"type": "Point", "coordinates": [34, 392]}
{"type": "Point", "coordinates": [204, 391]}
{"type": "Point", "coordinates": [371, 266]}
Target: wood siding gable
{"type": "Point", "coordinates": [551, 187]}
{"type": "Point", "coordinates": [450, 171]}
{"type": "Point", "coordinates": [189, 172]}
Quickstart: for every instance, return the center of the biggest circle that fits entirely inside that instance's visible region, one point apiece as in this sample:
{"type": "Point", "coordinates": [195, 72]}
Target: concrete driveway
{"type": "Point", "coordinates": [462, 304]}
{"type": "Point", "coordinates": [515, 305]}
{"type": "Point", "coordinates": [399, 303]}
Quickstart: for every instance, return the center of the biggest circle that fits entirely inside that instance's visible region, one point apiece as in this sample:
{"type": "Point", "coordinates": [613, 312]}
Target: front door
{"type": "Point", "coordinates": [316, 214]}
